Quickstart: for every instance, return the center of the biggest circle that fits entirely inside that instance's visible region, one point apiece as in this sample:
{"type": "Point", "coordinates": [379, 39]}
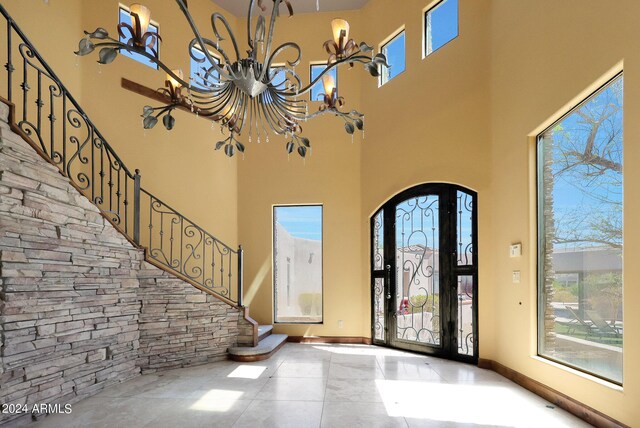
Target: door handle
{"type": "Point", "coordinates": [388, 282]}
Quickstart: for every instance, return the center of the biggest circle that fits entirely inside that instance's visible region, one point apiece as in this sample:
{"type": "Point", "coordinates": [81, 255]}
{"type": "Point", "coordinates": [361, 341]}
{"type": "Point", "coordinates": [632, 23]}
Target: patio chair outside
{"type": "Point", "coordinates": [585, 325]}
{"type": "Point", "coordinates": [603, 328]}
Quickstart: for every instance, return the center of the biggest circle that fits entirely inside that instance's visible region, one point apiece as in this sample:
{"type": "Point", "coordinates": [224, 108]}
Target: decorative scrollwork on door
{"type": "Point", "coordinates": [417, 255]}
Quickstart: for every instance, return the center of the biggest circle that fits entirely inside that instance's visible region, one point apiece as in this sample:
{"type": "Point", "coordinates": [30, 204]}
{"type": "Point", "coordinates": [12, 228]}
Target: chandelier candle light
{"type": "Point", "coordinates": [243, 94]}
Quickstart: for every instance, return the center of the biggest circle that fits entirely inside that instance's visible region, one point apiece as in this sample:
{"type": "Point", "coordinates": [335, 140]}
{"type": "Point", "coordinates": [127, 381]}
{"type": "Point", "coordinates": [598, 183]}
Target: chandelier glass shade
{"type": "Point", "coordinates": [249, 94]}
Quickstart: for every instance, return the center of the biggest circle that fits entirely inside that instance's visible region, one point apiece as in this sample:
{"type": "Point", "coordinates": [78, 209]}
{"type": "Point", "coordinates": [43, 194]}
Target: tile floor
{"type": "Point", "coordinates": [316, 385]}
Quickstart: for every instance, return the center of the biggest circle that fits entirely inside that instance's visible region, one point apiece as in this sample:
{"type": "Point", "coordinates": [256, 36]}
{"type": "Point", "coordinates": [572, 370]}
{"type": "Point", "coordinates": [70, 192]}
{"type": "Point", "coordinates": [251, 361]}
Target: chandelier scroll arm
{"type": "Point", "coordinates": [290, 108]}
{"type": "Point", "coordinates": [209, 44]}
{"type": "Point", "coordinates": [207, 106]}
{"type": "Point", "coordinates": [208, 100]}
{"type": "Point", "coordinates": [250, 40]}
{"type": "Point", "coordinates": [132, 49]}
{"type": "Point", "coordinates": [334, 111]}
{"type": "Point", "coordinates": [355, 57]}
{"type": "Point", "coordinates": [272, 26]}
{"type": "Point", "coordinates": [293, 75]}
{"type": "Point", "coordinates": [260, 116]}
{"type": "Point", "coordinates": [185, 11]}
{"type": "Point", "coordinates": [215, 107]}
{"type": "Point", "coordinates": [278, 51]}
{"type": "Point", "coordinates": [121, 27]}
{"type": "Point", "coordinates": [217, 16]}
{"type": "Point", "coordinates": [273, 116]}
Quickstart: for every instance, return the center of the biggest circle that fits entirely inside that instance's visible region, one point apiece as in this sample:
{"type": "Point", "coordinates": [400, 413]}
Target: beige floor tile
{"type": "Point", "coordinates": [281, 414]}
{"type": "Point", "coordinates": [359, 415]}
{"type": "Point", "coordinates": [353, 390]}
{"type": "Point", "coordinates": [308, 385]}
{"type": "Point", "coordinates": [316, 369]}
{"type": "Point", "coordinates": [293, 389]}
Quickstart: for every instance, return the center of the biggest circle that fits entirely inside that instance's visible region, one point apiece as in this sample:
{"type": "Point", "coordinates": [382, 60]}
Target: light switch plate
{"type": "Point", "coordinates": [516, 276]}
{"type": "Point", "coordinates": [515, 250]}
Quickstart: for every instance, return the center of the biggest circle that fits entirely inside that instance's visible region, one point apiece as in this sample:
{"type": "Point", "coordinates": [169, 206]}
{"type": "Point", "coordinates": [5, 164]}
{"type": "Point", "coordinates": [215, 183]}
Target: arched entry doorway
{"type": "Point", "coordinates": [424, 272]}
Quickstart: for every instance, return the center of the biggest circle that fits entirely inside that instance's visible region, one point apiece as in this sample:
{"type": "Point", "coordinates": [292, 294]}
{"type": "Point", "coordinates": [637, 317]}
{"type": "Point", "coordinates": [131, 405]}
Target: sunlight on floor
{"type": "Point", "coordinates": [319, 385]}
{"type": "Point", "coordinates": [247, 372]}
{"type": "Point", "coordinates": [217, 400]}
{"type": "Point", "coordinates": [364, 350]}
{"type": "Point", "coordinates": [482, 404]}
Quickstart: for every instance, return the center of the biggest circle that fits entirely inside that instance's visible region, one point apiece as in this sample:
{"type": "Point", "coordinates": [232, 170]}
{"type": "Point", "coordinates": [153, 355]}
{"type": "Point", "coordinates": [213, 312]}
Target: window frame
{"type": "Point", "coordinates": [273, 262]}
{"type": "Point", "coordinates": [122, 7]}
{"type": "Point", "coordinates": [324, 65]}
{"type": "Point", "coordinates": [540, 235]}
{"type": "Point", "coordinates": [386, 42]}
{"type": "Point", "coordinates": [432, 7]}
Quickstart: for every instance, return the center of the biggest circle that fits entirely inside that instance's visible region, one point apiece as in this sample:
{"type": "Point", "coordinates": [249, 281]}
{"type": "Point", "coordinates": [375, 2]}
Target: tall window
{"type": "Point", "coordinates": [394, 50]}
{"type": "Point", "coordinates": [317, 91]}
{"type": "Point", "coordinates": [297, 264]}
{"type": "Point", "coordinates": [201, 72]}
{"type": "Point", "coordinates": [440, 25]}
{"type": "Point", "coordinates": [125, 16]}
{"type": "Point", "coordinates": [580, 206]}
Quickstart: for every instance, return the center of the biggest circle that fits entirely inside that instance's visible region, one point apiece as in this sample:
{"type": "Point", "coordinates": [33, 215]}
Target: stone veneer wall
{"type": "Point", "coordinates": [180, 325]}
{"type": "Point", "coordinates": [79, 308]}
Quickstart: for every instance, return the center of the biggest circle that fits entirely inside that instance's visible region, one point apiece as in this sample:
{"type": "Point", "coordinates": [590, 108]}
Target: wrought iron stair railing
{"type": "Point", "coordinates": [52, 121]}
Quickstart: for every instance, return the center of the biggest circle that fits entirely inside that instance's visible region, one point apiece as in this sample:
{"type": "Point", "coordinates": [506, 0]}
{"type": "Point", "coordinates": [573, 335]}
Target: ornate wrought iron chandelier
{"type": "Point", "coordinates": [242, 94]}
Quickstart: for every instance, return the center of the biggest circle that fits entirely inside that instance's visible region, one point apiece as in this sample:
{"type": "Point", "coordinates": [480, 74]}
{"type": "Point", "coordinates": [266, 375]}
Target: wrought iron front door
{"type": "Point", "coordinates": [424, 272]}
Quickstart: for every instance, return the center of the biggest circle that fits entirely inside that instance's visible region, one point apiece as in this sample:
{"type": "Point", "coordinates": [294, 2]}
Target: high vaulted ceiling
{"type": "Point", "coordinates": [239, 7]}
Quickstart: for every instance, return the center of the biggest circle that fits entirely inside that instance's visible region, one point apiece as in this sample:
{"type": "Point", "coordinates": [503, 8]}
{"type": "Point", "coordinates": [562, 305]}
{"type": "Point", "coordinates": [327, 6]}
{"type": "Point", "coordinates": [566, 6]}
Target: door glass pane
{"type": "Point", "coordinates": [378, 309]}
{"type": "Point", "coordinates": [465, 229]}
{"type": "Point", "coordinates": [580, 193]}
{"type": "Point", "coordinates": [417, 300]}
{"type": "Point", "coordinates": [465, 315]}
{"type": "Point", "coordinates": [378, 241]}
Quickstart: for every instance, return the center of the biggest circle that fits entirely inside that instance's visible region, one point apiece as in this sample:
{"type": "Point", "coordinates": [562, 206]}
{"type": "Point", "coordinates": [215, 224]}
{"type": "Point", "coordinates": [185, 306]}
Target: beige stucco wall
{"type": "Point", "coordinates": [465, 115]}
{"type": "Point", "coordinates": [546, 56]}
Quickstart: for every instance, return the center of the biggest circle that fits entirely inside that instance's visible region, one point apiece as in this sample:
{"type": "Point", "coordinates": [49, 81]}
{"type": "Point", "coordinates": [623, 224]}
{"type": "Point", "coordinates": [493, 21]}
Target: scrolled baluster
{"type": "Point", "coordinates": [64, 134]}
{"type": "Point", "coordinates": [25, 88]}
{"type": "Point", "coordinates": [52, 120]}
{"type": "Point", "coordinates": [204, 254]}
{"type": "Point", "coordinates": [110, 183]}
{"type": "Point", "coordinates": [136, 209]}
{"type": "Point", "coordinates": [39, 104]}
{"type": "Point", "coordinates": [93, 166]}
{"type": "Point", "coordinates": [240, 275]}
{"type": "Point", "coordinates": [221, 269]}
{"type": "Point", "coordinates": [125, 204]}
{"type": "Point", "coordinates": [9, 64]}
{"type": "Point", "coordinates": [119, 194]}
{"type": "Point", "coordinates": [230, 274]}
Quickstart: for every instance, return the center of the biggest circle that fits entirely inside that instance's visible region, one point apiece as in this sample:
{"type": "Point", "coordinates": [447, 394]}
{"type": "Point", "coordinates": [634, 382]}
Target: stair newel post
{"type": "Point", "coordinates": [240, 274]}
{"type": "Point", "coordinates": [136, 207]}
